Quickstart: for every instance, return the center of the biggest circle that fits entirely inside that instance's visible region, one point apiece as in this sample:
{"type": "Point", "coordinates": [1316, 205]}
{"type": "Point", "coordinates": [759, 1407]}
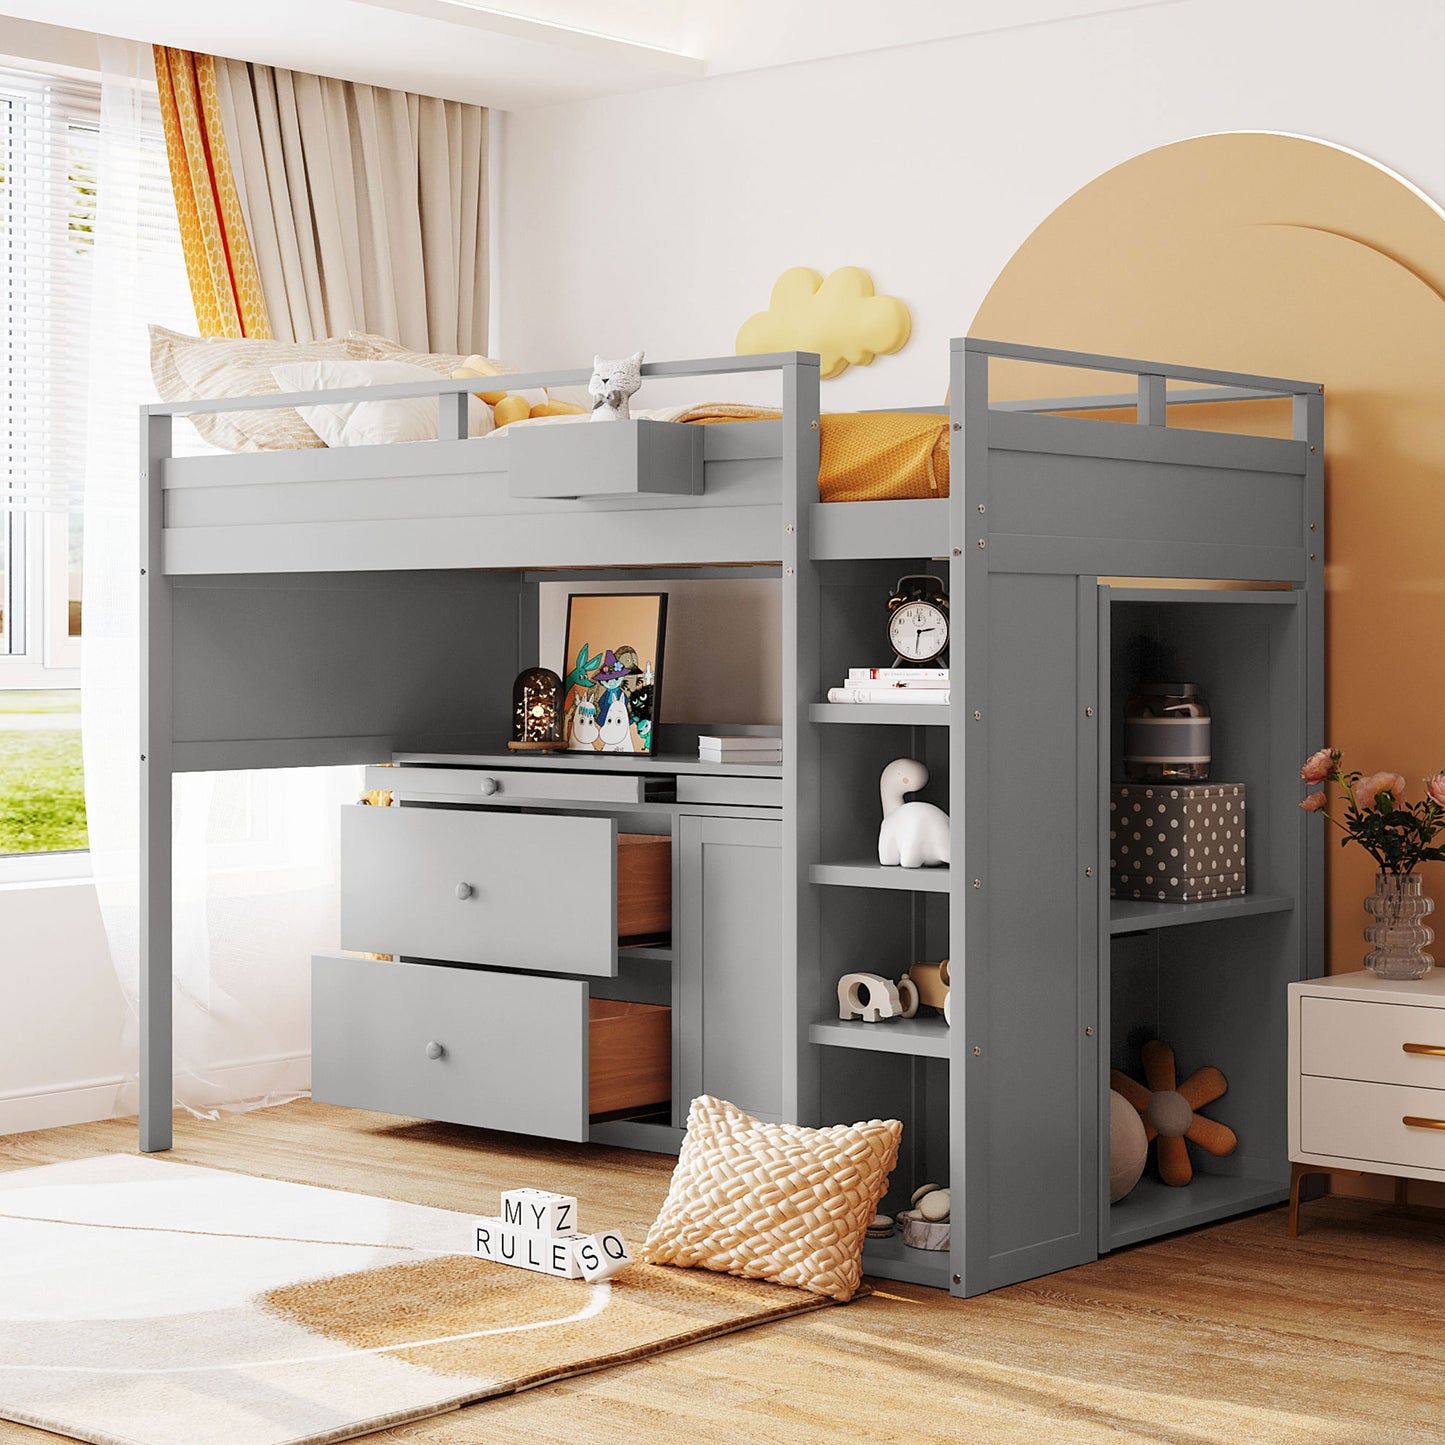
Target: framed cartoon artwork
{"type": "Point", "coordinates": [612, 670]}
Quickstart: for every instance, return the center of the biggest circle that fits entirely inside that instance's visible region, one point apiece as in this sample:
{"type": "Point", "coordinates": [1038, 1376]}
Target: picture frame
{"type": "Point", "coordinates": [612, 671]}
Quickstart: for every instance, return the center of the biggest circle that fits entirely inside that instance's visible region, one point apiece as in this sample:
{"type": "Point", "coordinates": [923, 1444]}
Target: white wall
{"type": "Point", "coordinates": [63, 1055]}
{"type": "Point", "coordinates": [661, 220]}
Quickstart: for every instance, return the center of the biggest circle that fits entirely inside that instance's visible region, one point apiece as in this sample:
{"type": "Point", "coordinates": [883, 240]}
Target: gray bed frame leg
{"type": "Point", "coordinates": [155, 798]}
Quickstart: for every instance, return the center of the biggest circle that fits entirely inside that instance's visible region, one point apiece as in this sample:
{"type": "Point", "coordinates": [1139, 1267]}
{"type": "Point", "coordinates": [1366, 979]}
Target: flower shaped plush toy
{"type": "Point", "coordinates": [1169, 1111]}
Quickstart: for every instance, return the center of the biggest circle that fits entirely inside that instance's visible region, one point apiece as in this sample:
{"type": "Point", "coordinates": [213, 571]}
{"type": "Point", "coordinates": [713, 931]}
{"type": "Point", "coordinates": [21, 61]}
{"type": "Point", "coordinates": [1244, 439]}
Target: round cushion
{"type": "Point", "coordinates": [1127, 1146]}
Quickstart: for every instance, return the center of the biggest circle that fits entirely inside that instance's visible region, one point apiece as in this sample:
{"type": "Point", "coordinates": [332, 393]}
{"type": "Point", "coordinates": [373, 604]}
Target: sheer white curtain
{"type": "Point", "coordinates": [255, 883]}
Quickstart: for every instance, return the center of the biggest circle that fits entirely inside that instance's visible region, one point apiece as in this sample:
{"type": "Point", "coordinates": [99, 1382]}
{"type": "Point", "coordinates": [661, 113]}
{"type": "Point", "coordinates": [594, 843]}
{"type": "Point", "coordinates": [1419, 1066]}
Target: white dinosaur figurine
{"type": "Point", "coordinates": [913, 835]}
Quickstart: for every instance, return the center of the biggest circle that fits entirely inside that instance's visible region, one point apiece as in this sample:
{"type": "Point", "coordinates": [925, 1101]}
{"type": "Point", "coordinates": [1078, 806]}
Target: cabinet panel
{"type": "Point", "coordinates": [734, 996]}
{"type": "Point", "coordinates": [499, 1050]}
{"type": "Point", "coordinates": [1025, 1117]}
{"type": "Point", "coordinates": [516, 890]}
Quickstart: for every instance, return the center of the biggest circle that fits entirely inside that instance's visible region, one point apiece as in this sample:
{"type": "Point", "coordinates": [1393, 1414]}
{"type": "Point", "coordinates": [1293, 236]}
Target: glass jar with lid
{"type": "Point", "coordinates": [1166, 734]}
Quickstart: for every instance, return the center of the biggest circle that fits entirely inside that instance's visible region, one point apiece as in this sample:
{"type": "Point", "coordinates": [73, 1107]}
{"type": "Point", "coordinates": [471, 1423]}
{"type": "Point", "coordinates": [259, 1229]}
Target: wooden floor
{"type": "Point", "coordinates": [1227, 1334]}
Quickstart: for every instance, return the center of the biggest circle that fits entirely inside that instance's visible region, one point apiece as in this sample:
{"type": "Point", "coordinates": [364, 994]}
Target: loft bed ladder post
{"type": "Point", "coordinates": [968, 907]}
{"type": "Point", "coordinates": [1309, 427]}
{"type": "Point", "coordinates": [155, 795]}
{"type": "Point", "coordinates": [802, 768]}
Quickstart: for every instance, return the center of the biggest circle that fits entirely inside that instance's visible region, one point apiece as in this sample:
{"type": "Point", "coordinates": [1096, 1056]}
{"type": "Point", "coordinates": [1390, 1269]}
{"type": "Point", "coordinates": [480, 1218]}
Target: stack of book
{"type": "Point", "coordinates": [893, 684]}
{"type": "Point", "coordinates": [738, 749]}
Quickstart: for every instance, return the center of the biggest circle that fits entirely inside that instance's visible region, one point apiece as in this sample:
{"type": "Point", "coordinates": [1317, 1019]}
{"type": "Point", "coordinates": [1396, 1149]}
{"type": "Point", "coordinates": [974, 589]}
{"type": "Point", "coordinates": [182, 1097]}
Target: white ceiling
{"type": "Point", "coordinates": [517, 54]}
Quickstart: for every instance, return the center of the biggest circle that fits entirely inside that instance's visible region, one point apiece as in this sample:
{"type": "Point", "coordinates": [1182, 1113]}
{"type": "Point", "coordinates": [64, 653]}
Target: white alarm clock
{"type": "Point", "coordinates": [918, 620]}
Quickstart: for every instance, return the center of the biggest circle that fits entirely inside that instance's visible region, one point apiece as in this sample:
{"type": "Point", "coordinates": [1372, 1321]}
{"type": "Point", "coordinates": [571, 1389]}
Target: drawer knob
{"type": "Point", "coordinates": [434, 1050]}
{"type": "Point", "coordinates": [1414, 1121]}
{"type": "Point", "coordinates": [1435, 1050]}
{"type": "Point", "coordinates": [465, 890]}
{"type": "Point", "coordinates": [487, 787]}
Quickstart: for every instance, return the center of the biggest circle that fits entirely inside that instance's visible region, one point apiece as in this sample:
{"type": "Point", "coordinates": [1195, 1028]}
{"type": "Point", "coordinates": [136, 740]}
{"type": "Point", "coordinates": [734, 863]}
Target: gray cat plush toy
{"type": "Point", "coordinates": [612, 383]}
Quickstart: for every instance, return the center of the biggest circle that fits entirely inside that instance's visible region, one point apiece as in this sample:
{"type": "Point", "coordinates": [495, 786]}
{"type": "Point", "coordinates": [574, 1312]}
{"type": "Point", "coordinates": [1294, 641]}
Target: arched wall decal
{"type": "Point", "coordinates": [1271, 253]}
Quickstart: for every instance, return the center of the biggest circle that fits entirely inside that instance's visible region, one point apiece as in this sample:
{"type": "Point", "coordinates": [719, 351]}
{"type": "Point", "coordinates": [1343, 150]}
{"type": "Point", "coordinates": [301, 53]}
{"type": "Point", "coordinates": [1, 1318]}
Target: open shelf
{"type": "Point", "coordinates": [922, 1037]}
{"type": "Point", "coordinates": [875, 875]}
{"type": "Point", "coordinates": [1138, 915]}
{"type": "Point", "coordinates": [1151, 1208]}
{"type": "Point", "coordinates": [895, 714]}
{"type": "Point", "coordinates": [892, 1259]}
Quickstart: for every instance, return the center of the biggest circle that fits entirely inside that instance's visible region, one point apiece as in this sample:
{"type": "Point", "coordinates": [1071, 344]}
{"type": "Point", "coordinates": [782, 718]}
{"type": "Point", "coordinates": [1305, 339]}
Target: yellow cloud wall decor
{"type": "Point", "coordinates": [840, 318]}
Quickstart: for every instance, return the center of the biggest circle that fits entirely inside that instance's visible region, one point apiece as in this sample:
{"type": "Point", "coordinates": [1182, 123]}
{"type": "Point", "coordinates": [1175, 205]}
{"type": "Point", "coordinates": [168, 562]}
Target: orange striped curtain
{"type": "Point", "coordinates": [219, 260]}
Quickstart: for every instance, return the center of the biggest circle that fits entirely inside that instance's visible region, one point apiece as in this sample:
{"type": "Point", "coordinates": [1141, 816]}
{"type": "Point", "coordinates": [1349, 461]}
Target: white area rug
{"type": "Point", "coordinates": [149, 1303]}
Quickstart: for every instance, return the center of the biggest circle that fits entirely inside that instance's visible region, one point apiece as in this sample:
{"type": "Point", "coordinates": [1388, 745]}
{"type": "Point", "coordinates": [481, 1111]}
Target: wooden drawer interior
{"type": "Point", "coordinates": [629, 1058]}
{"type": "Point", "coordinates": [644, 885]}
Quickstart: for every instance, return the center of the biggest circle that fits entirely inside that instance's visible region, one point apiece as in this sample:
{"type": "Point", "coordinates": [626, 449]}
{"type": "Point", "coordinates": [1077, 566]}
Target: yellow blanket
{"type": "Point", "coordinates": [864, 456]}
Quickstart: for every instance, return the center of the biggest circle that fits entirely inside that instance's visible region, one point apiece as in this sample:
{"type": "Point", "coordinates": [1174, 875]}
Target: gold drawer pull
{"type": "Point", "coordinates": [1435, 1050]}
{"type": "Point", "coordinates": [1413, 1121]}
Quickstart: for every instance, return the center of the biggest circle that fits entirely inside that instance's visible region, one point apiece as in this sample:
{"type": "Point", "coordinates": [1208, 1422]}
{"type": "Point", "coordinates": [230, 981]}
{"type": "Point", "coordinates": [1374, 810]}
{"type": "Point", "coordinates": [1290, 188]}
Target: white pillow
{"type": "Point", "coordinates": [371, 423]}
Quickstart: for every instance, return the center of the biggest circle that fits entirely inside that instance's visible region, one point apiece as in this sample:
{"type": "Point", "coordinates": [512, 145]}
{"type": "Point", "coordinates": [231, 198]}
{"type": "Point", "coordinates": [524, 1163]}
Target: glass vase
{"type": "Point", "coordinates": [1399, 933]}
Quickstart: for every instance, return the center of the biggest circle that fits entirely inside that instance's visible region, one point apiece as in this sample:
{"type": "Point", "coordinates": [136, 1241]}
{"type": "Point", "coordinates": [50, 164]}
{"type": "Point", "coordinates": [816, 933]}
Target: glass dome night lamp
{"type": "Point", "coordinates": [536, 711]}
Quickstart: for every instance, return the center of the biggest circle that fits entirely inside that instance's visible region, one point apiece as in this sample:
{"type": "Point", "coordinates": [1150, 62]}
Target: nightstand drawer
{"type": "Point", "coordinates": [514, 890]}
{"type": "Point", "coordinates": [1381, 1043]}
{"type": "Point", "coordinates": [1346, 1119]}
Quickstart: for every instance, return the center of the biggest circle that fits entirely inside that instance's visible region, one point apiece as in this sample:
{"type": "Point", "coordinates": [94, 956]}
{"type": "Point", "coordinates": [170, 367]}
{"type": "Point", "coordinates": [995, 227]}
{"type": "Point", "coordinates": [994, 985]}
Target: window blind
{"type": "Point", "coordinates": [49, 131]}
{"type": "Point", "coordinates": [53, 162]}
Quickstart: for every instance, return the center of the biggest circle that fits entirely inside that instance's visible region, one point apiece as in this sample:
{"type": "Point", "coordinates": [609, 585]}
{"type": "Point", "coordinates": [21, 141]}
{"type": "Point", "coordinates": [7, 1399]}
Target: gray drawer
{"type": "Point", "coordinates": [510, 1050]}
{"type": "Point", "coordinates": [506, 785]}
{"type": "Point", "coordinates": [738, 792]}
{"type": "Point", "coordinates": [515, 890]}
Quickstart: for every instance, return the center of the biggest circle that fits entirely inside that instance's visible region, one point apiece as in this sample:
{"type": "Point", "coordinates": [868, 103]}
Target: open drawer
{"type": "Point", "coordinates": [468, 1046]}
{"type": "Point", "coordinates": [512, 890]}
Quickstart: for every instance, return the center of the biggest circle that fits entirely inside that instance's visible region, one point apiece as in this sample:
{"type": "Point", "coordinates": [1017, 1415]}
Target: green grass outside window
{"type": "Point", "coordinates": [42, 792]}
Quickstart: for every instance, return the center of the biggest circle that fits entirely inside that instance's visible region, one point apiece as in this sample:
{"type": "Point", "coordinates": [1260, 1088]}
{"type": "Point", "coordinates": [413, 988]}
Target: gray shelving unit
{"type": "Point", "coordinates": [361, 604]}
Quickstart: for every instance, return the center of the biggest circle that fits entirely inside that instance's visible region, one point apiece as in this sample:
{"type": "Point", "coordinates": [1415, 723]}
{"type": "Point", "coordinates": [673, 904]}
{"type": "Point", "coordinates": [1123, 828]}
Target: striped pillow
{"type": "Point", "coordinates": [206, 368]}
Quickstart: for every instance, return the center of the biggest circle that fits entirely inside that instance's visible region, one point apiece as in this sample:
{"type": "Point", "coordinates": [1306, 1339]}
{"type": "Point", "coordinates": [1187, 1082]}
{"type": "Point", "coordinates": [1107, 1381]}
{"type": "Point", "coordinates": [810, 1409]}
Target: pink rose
{"type": "Point", "coordinates": [1318, 766]}
{"type": "Point", "coordinates": [1368, 789]}
{"type": "Point", "coordinates": [1435, 786]}
{"type": "Point", "coordinates": [1313, 802]}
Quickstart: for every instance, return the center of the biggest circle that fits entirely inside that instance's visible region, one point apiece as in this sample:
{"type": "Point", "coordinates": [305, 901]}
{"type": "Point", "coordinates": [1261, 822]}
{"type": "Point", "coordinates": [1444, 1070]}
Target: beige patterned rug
{"type": "Point", "coordinates": [149, 1303]}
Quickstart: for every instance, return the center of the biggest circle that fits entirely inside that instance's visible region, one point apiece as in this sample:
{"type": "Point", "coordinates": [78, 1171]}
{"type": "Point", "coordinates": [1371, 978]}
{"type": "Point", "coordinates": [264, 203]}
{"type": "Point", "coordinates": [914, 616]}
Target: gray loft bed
{"type": "Point", "coordinates": [325, 607]}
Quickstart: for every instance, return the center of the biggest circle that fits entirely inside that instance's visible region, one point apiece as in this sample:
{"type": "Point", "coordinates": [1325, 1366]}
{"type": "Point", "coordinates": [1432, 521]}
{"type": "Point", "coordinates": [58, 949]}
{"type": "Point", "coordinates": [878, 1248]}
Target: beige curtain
{"type": "Point", "coordinates": [367, 208]}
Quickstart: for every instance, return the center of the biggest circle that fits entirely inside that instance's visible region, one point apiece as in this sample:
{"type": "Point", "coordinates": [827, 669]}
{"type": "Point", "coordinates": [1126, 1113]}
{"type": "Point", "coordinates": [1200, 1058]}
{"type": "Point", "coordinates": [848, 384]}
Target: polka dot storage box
{"type": "Point", "coordinates": [1176, 842]}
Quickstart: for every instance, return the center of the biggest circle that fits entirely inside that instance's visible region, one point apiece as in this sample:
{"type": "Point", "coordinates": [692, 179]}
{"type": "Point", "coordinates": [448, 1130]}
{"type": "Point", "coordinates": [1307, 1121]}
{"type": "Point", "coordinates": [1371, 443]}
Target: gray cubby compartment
{"type": "Point", "coordinates": [1209, 978]}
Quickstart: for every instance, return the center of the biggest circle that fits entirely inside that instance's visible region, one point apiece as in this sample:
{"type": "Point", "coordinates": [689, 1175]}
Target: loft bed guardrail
{"type": "Point", "coordinates": [466, 506]}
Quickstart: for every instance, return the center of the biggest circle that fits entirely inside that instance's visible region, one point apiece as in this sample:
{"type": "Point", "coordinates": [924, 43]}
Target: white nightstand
{"type": "Point", "coordinates": [1366, 1078]}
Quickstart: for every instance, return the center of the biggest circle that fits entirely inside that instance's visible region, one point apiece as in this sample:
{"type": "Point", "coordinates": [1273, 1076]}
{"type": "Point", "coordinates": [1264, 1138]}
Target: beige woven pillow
{"type": "Point", "coordinates": [774, 1201]}
{"type": "Point", "coordinates": [206, 368]}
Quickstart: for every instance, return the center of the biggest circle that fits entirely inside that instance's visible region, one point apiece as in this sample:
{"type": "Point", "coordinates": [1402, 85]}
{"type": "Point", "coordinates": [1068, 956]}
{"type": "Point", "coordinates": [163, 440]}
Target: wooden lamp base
{"type": "Point", "coordinates": [517, 747]}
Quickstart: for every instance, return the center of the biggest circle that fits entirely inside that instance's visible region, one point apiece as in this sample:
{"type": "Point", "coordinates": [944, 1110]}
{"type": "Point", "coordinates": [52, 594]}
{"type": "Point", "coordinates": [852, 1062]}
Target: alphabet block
{"type": "Point", "coordinates": [539, 1211]}
{"type": "Point", "coordinates": [504, 1243]}
{"type": "Point", "coordinates": [601, 1255]}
